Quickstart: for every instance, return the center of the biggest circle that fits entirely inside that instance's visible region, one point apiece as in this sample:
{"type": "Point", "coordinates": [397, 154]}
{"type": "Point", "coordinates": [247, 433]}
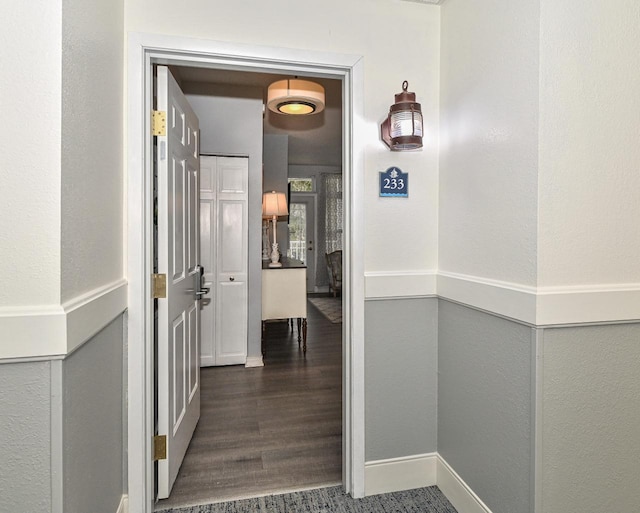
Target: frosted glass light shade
{"type": "Point", "coordinates": [295, 97]}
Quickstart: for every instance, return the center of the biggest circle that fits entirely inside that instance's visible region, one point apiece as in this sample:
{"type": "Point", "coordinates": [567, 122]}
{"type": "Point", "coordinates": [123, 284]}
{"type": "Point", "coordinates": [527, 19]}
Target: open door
{"type": "Point", "coordinates": [178, 249]}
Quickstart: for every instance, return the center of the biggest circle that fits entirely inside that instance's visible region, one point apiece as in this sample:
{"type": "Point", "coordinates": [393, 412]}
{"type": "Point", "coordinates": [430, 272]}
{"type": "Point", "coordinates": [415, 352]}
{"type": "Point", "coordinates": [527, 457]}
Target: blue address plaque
{"type": "Point", "coordinates": [394, 183]}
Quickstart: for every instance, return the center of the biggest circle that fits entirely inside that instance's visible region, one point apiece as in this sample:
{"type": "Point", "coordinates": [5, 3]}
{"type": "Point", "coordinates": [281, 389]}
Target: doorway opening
{"type": "Point", "coordinates": [277, 427]}
{"type": "Point", "coordinates": [144, 51]}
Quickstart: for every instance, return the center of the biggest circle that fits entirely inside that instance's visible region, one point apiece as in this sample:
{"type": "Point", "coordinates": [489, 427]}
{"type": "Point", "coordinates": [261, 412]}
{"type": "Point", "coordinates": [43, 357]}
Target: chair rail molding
{"type": "Point", "coordinates": [400, 284]}
{"type": "Point", "coordinates": [54, 331]}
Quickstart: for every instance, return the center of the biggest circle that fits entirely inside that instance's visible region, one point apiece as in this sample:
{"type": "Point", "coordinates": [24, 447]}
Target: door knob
{"type": "Point", "coordinates": [200, 289]}
{"type": "Point", "coordinates": [231, 278]}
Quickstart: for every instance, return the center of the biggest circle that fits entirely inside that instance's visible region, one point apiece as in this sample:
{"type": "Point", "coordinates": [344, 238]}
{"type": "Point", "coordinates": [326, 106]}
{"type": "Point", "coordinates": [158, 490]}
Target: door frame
{"type": "Point", "coordinates": [144, 50]}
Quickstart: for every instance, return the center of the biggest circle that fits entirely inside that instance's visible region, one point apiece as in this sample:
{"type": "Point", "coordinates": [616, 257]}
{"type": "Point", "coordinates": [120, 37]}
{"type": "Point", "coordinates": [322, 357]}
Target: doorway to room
{"type": "Point", "coordinates": [277, 427]}
{"type": "Point", "coordinates": [144, 51]}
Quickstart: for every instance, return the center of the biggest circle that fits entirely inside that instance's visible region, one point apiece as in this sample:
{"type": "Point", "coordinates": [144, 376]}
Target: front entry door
{"type": "Point", "coordinates": [178, 259]}
{"type": "Point", "coordinates": [302, 234]}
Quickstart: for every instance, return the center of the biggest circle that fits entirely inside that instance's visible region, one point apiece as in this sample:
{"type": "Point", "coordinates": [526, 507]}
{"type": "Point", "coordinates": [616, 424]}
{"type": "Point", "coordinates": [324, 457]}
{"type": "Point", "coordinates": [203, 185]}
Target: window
{"type": "Point", "coordinates": [301, 185]}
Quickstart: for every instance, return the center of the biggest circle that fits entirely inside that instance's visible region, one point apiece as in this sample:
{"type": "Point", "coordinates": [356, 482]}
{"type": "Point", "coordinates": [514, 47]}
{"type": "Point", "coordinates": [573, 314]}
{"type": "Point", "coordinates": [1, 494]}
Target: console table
{"type": "Point", "coordinates": [284, 295]}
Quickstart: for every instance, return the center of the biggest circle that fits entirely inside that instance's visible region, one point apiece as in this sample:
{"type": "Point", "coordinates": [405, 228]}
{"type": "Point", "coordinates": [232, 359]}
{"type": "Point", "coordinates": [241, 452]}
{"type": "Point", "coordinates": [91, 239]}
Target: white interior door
{"type": "Point", "coordinates": [302, 234]}
{"type": "Point", "coordinates": [178, 258]}
{"type": "Point", "coordinates": [224, 229]}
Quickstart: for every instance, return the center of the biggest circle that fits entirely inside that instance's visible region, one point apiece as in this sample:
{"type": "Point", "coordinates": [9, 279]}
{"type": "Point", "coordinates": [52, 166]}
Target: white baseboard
{"type": "Point", "coordinates": [397, 474]}
{"type": "Point", "coordinates": [254, 361]}
{"type": "Point", "coordinates": [456, 490]}
{"type": "Point", "coordinates": [124, 505]}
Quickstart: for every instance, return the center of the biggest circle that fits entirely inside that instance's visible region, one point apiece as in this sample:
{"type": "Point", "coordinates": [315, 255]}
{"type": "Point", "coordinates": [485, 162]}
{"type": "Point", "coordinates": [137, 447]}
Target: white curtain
{"type": "Point", "coordinates": [333, 211]}
{"type": "Point", "coordinates": [330, 227]}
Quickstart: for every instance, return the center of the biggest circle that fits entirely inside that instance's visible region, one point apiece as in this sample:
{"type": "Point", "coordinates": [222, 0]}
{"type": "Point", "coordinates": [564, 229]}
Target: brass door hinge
{"type": "Point", "coordinates": [159, 447]}
{"type": "Point", "coordinates": [159, 286]}
{"type": "Point", "coordinates": [159, 122]}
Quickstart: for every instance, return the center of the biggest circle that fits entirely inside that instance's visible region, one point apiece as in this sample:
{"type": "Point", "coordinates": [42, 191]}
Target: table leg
{"type": "Point", "coordinates": [304, 335]}
{"type": "Point", "coordinates": [299, 322]}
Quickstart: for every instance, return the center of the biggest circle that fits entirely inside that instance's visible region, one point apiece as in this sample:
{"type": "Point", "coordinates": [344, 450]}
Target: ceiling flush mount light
{"type": "Point", "coordinates": [402, 130]}
{"type": "Point", "coordinates": [296, 97]}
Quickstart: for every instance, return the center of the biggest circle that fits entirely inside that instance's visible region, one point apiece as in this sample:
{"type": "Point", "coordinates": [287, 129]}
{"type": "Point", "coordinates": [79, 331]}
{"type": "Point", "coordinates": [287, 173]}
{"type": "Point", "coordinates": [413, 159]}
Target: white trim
{"type": "Point", "coordinates": [254, 361]}
{"type": "Point", "coordinates": [123, 507]}
{"type": "Point", "coordinates": [380, 285]}
{"type": "Point", "coordinates": [577, 305]}
{"type": "Point", "coordinates": [55, 331]}
{"type": "Point", "coordinates": [143, 49]}
{"type": "Point", "coordinates": [397, 474]}
{"type": "Point", "coordinates": [89, 313]}
{"type": "Point", "coordinates": [32, 332]}
{"type": "Point", "coordinates": [543, 306]}
{"type": "Point", "coordinates": [503, 298]}
{"type": "Point", "coordinates": [460, 495]}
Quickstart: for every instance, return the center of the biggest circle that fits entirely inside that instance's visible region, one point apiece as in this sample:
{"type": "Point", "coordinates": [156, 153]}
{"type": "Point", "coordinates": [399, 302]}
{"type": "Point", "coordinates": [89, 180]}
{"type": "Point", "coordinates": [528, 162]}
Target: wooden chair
{"type": "Point", "coordinates": [334, 263]}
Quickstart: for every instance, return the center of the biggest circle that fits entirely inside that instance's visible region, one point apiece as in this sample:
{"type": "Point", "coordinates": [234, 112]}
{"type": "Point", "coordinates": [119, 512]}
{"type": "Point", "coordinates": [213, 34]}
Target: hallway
{"type": "Point", "coordinates": [269, 429]}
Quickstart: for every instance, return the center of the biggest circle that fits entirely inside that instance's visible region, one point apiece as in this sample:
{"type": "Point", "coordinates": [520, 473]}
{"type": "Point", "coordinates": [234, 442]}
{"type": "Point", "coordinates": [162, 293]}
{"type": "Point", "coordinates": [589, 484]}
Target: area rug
{"type": "Point", "coordinates": [333, 500]}
{"type": "Point", "coordinates": [330, 307]}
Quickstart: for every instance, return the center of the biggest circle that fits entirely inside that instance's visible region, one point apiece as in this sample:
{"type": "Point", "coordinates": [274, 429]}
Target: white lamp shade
{"type": "Point", "coordinates": [293, 96]}
{"type": "Point", "coordinates": [274, 204]}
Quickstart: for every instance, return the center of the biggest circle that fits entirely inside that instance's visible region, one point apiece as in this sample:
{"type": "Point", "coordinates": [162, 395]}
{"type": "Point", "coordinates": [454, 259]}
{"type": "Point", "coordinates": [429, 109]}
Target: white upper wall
{"type": "Point", "coordinates": [489, 139]}
{"type": "Point", "coordinates": [589, 216]}
{"type": "Point", "coordinates": [30, 84]}
{"type": "Point", "coordinates": [61, 228]}
{"type": "Point", "coordinates": [401, 234]}
{"type": "Point", "coordinates": [92, 145]}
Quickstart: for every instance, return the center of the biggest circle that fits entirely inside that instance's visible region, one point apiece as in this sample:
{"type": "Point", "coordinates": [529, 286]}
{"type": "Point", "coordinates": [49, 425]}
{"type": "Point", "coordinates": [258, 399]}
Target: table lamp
{"type": "Point", "coordinates": [274, 204]}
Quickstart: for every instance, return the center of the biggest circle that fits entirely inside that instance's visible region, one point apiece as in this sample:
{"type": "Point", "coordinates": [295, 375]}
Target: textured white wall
{"type": "Point", "coordinates": [489, 139]}
{"type": "Point", "coordinates": [401, 233]}
{"type": "Point", "coordinates": [589, 143]}
{"type": "Point", "coordinates": [30, 88]}
{"type": "Point", "coordinates": [92, 145]}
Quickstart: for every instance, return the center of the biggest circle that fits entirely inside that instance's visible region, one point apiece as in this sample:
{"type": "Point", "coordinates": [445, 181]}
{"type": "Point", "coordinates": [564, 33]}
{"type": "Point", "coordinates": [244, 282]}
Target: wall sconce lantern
{"type": "Point", "coordinates": [402, 130]}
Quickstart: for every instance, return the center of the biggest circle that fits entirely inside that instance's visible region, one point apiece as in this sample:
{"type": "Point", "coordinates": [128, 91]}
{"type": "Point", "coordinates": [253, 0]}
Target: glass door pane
{"type": "Point", "coordinates": [298, 231]}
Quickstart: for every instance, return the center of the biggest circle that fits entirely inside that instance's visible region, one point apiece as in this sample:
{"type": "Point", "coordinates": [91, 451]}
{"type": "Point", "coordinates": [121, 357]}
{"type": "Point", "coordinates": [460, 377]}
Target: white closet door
{"type": "Point", "coordinates": [226, 199]}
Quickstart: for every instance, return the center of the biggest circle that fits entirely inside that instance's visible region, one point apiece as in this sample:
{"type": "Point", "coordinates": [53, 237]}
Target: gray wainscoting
{"type": "Point", "coordinates": [92, 424]}
{"type": "Point", "coordinates": [591, 419]}
{"type": "Point", "coordinates": [485, 424]}
{"type": "Point", "coordinates": [25, 436]}
{"type": "Point", "coordinates": [61, 429]}
{"type": "Point", "coordinates": [401, 377]}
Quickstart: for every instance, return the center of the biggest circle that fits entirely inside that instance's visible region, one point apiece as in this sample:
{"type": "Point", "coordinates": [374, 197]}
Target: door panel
{"type": "Point", "coordinates": [231, 244]}
{"type": "Point", "coordinates": [178, 250]}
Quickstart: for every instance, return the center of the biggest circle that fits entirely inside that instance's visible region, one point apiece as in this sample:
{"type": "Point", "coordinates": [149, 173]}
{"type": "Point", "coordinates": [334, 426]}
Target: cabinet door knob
{"type": "Point", "coordinates": [231, 278]}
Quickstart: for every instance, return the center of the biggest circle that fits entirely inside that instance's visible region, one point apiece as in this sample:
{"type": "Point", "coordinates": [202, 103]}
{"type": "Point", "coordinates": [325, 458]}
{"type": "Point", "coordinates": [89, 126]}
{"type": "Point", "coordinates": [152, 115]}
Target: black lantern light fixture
{"type": "Point", "coordinates": [402, 130]}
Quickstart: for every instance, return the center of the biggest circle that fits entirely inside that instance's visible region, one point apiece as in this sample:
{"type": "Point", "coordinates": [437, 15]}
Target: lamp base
{"type": "Point", "coordinates": [275, 256]}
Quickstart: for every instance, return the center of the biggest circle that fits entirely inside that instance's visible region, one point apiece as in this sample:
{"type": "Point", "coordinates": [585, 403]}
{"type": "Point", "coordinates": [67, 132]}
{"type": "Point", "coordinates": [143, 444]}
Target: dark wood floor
{"type": "Point", "coordinates": [268, 429]}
